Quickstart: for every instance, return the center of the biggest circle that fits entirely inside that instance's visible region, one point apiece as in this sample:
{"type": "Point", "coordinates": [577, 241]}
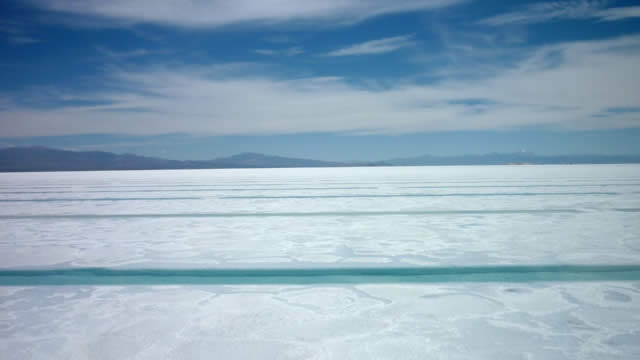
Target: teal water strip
{"type": "Point", "coordinates": [286, 214]}
{"type": "Point", "coordinates": [366, 275]}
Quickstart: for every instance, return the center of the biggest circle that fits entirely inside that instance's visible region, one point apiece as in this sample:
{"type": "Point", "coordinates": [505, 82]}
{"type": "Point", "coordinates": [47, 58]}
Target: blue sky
{"type": "Point", "coordinates": [334, 79]}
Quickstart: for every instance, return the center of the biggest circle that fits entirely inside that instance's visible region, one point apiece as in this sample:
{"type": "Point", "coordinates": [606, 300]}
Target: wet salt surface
{"type": "Point", "coordinates": [322, 218]}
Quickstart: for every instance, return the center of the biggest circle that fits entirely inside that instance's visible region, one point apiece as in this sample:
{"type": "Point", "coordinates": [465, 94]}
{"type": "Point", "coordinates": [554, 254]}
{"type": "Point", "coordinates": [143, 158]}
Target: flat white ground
{"type": "Point", "coordinates": [399, 216]}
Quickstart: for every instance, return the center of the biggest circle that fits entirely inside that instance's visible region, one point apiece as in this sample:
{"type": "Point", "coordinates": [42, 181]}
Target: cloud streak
{"type": "Point", "coordinates": [16, 33]}
{"type": "Point", "coordinates": [379, 46]}
{"type": "Point", "coordinates": [564, 85]}
{"type": "Point", "coordinates": [121, 55]}
{"type": "Point", "coordinates": [292, 51]}
{"type": "Point", "coordinates": [216, 13]}
{"type": "Point", "coordinates": [620, 13]}
{"type": "Point", "coordinates": [563, 10]}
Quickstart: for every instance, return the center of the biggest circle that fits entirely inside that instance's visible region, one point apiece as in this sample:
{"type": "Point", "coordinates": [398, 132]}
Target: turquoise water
{"type": "Point", "coordinates": [381, 275]}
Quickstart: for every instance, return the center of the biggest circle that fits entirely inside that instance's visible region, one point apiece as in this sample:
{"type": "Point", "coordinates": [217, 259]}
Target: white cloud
{"type": "Point", "coordinates": [292, 51]}
{"type": "Point", "coordinates": [558, 10]}
{"type": "Point", "coordinates": [375, 46]}
{"type": "Point", "coordinates": [619, 13]}
{"type": "Point", "coordinates": [564, 85]}
{"type": "Point", "coordinates": [265, 52]}
{"type": "Point", "coordinates": [22, 40]}
{"type": "Point", "coordinates": [16, 32]}
{"type": "Point", "coordinates": [214, 13]}
{"type": "Point", "coordinates": [121, 55]}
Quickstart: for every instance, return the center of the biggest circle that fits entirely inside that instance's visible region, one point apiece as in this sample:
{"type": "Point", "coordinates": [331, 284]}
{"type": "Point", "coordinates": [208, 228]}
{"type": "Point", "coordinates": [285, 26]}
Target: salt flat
{"type": "Point", "coordinates": [323, 218]}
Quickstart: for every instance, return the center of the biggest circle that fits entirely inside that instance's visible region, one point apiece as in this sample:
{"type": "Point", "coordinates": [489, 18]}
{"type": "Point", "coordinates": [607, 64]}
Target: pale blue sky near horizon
{"type": "Point", "coordinates": [332, 80]}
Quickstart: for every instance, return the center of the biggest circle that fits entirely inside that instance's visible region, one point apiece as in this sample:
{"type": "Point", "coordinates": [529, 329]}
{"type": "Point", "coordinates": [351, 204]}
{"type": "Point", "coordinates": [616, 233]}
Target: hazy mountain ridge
{"type": "Point", "coordinates": [516, 158]}
{"type": "Point", "coordinates": [15, 159]}
{"type": "Point", "coordinates": [48, 159]}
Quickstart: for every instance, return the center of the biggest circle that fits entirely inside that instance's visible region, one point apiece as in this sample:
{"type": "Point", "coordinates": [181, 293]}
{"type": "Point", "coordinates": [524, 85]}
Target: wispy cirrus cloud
{"type": "Point", "coordinates": [121, 55]}
{"type": "Point", "coordinates": [16, 33]}
{"type": "Point", "coordinates": [563, 85]}
{"type": "Point", "coordinates": [562, 10]}
{"type": "Point", "coordinates": [291, 51]}
{"type": "Point", "coordinates": [619, 13]}
{"type": "Point", "coordinates": [378, 46]}
{"type": "Point", "coordinates": [216, 13]}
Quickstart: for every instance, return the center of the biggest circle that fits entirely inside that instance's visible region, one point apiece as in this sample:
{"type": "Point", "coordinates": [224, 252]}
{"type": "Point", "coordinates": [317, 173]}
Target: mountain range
{"type": "Point", "coordinates": [37, 158]}
{"type": "Point", "coordinates": [14, 159]}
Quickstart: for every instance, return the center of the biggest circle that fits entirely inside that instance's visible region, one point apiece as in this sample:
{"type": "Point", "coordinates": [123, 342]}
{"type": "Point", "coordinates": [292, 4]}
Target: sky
{"type": "Point", "coordinates": [331, 80]}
